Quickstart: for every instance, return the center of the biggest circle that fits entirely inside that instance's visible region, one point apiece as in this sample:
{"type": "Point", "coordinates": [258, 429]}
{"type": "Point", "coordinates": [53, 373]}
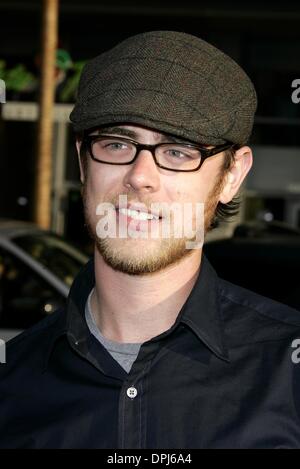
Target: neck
{"type": "Point", "coordinates": [132, 308]}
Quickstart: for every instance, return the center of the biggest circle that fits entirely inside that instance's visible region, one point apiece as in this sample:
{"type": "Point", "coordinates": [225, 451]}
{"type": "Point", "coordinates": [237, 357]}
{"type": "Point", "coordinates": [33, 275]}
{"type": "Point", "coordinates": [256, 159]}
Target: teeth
{"type": "Point", "coordinates": [138, 215]}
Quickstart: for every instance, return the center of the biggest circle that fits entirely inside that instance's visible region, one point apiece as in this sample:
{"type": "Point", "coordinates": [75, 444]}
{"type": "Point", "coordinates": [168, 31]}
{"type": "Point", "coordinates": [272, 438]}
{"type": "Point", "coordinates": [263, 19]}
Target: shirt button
{"type": "Point", "coordinates": [131, 392]}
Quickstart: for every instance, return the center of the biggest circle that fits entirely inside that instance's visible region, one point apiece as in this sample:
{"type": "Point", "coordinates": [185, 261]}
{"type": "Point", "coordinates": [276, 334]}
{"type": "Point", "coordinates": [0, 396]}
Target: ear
{"type": "Point", "coordinates": [78, 145]}
{"type": "Point", "coordinates": [236, 175]}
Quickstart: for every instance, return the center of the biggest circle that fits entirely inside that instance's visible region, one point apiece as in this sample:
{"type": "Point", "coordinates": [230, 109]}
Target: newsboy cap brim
{"type": "Point", "coordinates": [169, 81]}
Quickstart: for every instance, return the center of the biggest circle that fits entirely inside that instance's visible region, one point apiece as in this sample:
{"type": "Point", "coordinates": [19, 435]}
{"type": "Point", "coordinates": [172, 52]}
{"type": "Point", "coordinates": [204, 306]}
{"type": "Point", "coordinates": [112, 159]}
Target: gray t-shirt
{"type": "Point", "coordinates": [124, 353]}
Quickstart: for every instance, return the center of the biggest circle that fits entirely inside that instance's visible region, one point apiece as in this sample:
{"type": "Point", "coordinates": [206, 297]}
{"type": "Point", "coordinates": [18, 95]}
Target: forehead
{"type": "Point", "coordinates": [136, 132]}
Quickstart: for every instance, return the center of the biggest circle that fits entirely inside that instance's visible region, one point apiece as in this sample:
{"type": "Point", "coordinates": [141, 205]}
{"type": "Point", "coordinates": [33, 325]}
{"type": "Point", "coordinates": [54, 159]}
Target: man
{"type": "Point", "coordinates": [153, 350]}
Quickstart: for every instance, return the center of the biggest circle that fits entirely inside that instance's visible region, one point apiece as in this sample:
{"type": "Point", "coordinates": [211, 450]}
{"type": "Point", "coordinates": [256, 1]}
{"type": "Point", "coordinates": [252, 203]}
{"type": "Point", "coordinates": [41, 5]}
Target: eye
{"type": "Point", "coordinates": [114, 145]}
{"type": "Point", "coordinates": [181, 153]}
{"type": "Point", "coordinates": [176, 153]}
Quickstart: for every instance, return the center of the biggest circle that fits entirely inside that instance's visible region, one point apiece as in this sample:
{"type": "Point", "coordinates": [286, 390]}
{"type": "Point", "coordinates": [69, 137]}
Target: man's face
{"type": "Point", "coordinates": [145, 183]}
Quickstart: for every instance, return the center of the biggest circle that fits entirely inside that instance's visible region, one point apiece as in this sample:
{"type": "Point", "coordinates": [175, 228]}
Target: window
{"type": "Point", "coordinates": [25, 298]}
{"type": "Point", "coordinates": [54, 254]}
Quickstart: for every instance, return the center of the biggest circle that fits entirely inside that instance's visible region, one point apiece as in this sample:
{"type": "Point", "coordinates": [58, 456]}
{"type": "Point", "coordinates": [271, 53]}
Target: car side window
{"type": "Point", "coordinates": [25, 297]}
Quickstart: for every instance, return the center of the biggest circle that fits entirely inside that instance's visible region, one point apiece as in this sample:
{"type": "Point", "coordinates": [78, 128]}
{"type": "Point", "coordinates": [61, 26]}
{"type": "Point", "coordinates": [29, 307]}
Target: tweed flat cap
{"type": "Point", "coordinates": [169, 81]}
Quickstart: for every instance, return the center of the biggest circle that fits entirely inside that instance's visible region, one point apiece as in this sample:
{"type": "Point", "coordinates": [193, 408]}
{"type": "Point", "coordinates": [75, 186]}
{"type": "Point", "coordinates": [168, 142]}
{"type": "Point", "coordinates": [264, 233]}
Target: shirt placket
{"type": "Point", "coordinates": [133, 403]}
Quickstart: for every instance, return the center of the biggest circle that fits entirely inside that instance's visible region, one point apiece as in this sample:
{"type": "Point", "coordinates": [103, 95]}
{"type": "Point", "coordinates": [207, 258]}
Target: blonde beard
{"type": "Point", "coordinates": [122, 257]}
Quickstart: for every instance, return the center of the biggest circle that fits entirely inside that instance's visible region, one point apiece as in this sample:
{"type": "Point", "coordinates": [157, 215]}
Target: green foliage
{"type": "Point", "coordinates": [19, 79]}
{"type": "Point", "coordinates": [68, 92]}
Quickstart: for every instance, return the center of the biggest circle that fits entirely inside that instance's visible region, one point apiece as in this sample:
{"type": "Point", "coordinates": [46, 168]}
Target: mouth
{"type": "Point", "coordinates": [137, 213]}
{"type": "Point", "coordinates": [138, 219]}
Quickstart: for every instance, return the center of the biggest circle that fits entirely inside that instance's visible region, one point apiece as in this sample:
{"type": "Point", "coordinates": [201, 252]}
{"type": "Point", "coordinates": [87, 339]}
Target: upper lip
{"type": "Point", "coordinates": [140, 207]}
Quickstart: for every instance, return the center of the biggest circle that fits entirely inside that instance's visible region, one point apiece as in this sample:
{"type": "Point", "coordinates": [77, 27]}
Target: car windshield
{"type": "Point", "coordinates": [61, 258]}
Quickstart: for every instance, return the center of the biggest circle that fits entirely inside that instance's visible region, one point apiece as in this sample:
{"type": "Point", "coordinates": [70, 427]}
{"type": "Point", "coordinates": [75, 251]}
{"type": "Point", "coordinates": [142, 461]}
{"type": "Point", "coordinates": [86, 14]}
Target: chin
{"type": "Point", "coordinates": [141, 257]}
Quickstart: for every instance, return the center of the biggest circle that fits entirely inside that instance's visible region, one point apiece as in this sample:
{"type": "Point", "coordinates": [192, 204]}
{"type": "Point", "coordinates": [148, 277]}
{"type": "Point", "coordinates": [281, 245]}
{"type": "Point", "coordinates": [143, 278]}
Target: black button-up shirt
{"type": "Point", "coordinates": [225, 375]}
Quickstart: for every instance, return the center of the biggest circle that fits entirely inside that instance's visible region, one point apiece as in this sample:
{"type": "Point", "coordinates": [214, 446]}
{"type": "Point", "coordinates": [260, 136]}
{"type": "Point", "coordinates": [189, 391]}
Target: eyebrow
{"type": "Point", "coordinates": [122, 131]}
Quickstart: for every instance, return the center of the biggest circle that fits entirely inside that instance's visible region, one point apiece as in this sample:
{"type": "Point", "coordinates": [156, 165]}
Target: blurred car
{"type": "Point", "coordinates": [37, 268]}
{"type": "Point", "coordinates": [263, 257]}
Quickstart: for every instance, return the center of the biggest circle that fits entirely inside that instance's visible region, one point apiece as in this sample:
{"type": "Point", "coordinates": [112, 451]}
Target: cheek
{"type": "Point", "coordinates": [194, 189]}
{"type": "Point", "coordinates": [210, 183]}
{"type": "Point", "coordinates": [93, 193]}
{"type": "Point", "coordinates": [102, 181]}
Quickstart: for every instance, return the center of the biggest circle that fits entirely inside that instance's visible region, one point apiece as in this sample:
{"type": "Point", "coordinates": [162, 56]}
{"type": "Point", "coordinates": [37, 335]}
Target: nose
{"type": "Point", "coordinates": [143, 173]}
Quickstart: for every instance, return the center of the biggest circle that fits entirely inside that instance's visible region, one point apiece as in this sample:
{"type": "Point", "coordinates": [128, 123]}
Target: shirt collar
{"type": "Point", "coordinates": [201, 312]}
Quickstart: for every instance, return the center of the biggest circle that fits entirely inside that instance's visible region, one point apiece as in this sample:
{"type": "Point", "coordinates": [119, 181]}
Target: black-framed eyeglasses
{"type": "Point", "coordinates": [180, 157]}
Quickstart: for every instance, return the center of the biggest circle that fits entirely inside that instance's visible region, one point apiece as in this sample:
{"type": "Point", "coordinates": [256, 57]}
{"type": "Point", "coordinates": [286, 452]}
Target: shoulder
{"type": "Point", "coordinates": [250, 317]}
{"type": "Point", "coordinates": [30, 346]}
